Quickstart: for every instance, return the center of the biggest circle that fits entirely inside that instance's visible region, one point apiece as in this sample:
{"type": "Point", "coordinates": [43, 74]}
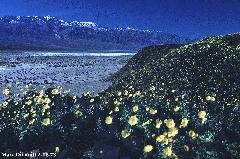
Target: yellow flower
{"type": "Point", "coordinates": [152, 88]}
{"type": "Point", "coordinates": [138, 93]}
{"type": "Point", "coordinates": [146, 123]}
{"type": "Point", "coordinates": [167, 152]}
{"type": "Point", "coordinates": [46, 106]}
{"type": "Point", "coordinates": [176, 99]}
{"type": "Point", "coordinates": [173, 132]}
{"type": "Point", "coordinates": [6, 91]}
{"type": "Point", "coordinates": [31, 121]}
{"type": "Point", "coordinates": [119, 93]}
{"type": "Point", "coordinates": [165, 141]}
{"type": "Point", "coordinates": [210, 98]}
{"type": "Point", "coordinates": [25, 115]}
{"type": "Point", "coordinates": [78, 113]}
{"type": "Point", "coordinates": [29, 102]}
{"type": "Point", "coordinates": [46, 121]}
{"type": "Point", "coordinates": [184, 123]}
{"type": "Point", "coordinates": [148, 148]}
{"type": "Point", "coordinates": [125, 133]}
{"type": "Point", "coordinates": [47, 101]}
{"type": "Point", "coordinates": [55, 91]}
{"type": "Point", "coordinates": [135, 108]}
{"type": "Point", "coordinates": [158, 123]}
{"type": "Point", "coordinates": [5, 104]}
{"type": "Point", "coordinates": [160, 138]}
{"type": "Point", "coordinates": [192, 134]}
{"type": "Point", "coordinates": [116, 109]}
{"type": "Point", "coordinates": [108, 120]}
{"type": "Point", "coordinates": [133, 120]}
{"type": "Point", "coordinates": [169, 123]}
{"type": "Point", "coordinates": [176, 109]}
{"type": "Point", "coordinates": [202, 114]}
{"type": "Point", "coordinates": [153, 111]}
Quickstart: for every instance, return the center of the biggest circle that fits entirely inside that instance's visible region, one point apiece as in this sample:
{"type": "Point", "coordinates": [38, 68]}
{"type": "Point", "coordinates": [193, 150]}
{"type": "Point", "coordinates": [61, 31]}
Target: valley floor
{"type": "Point", "coordinates": [78, 72]}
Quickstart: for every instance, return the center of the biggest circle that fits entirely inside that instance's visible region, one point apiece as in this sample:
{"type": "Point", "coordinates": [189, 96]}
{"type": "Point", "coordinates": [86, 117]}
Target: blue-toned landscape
{"type": "Point", "coordinates": [119, 79]}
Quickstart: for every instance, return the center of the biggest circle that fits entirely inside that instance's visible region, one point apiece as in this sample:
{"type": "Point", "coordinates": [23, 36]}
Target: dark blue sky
{"type": "Point", "coordinates": [183, 17]}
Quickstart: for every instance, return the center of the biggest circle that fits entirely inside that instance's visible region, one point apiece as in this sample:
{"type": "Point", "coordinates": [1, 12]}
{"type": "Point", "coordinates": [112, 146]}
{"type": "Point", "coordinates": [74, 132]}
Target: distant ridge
{"type": "Point", "coordinates": [52, 33]}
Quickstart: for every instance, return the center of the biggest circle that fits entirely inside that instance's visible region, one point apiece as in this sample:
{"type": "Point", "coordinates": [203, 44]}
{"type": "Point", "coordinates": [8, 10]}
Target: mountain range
{"type": "Point", "coordinates": [52, 33]}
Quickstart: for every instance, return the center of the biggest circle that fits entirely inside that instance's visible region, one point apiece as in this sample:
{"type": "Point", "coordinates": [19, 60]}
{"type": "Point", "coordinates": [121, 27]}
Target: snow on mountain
{"type": "Point", "coordinates": [50, 32]}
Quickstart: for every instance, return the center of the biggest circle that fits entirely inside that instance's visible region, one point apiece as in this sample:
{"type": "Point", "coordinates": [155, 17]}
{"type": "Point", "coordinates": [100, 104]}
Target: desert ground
{"type": "Point", "coordinates": [79, 72]}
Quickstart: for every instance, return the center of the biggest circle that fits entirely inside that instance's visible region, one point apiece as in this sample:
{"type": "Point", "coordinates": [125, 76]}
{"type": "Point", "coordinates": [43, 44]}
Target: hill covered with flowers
{"type": "Point", "coordinates": [169, 101]}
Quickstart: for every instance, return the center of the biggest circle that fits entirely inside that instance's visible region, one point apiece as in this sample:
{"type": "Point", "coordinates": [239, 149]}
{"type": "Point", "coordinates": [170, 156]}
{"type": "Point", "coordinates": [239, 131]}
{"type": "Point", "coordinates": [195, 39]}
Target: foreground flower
{"type": "Point", "coordinates": [184, 123]}
{"type": "Point", "coordinates": [108, 120]}
{"type": "Point", "coordinates": [148, 148]}
{"type": "Point", "coordinates": [29, 102]}
{"type": "Point", "coordinates": [176, 109]}
{"type": "Point", "coordinates": [209, 98]}
{"type": "Point", "coordinates": [202, 114]}
{"type": "Point", "coordinates": [5, 104]}
{"type": "Point", "coordinates": [169, 123]}
{"type": "Point", "coordinates": [167, 152]}
{"type": "Point", "coordinates": [125, 133]}
{"type": "Point", "coordinates": [192, 134]}
{"type": "Point", "coordinates": [158, 123]}
{"type": "Point", "coordinates": [135, 108]}
{"type": "Point", "coordinates": [133, 120]}
{"type": "Point", "coordinates": [160, 138]}
{"type": "Point", "coordinates": [46, 121]}
{"type": "Point", "coordinates": [173, 132]}
{"type": "Point", "coordinates": [32, 121]}
{"type": "Point", "coordinates": [153, 111]}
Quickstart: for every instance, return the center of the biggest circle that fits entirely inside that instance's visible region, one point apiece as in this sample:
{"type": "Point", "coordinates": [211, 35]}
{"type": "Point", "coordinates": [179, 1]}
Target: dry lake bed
{"type": "Point", "coordinates": [79, 72]}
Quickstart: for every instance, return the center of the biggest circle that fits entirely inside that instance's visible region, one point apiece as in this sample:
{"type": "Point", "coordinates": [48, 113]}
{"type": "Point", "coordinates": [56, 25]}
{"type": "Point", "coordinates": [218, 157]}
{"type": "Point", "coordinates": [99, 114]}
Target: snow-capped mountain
{"type": "Point", "coordinates": [51, 33]}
